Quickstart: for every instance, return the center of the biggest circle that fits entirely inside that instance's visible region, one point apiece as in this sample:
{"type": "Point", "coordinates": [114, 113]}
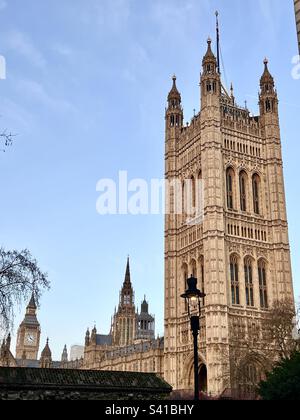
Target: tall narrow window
{"type": "Point", "coordinates": [249, 282]}
{"type": "Point", "coordinates": [234, 278]}
{"type": "Point", "coordinates": [243, 190]}
{"type": "Point", "coordinates": [229, 187]}
{"type": "Point", "coordinates": [199, 195]}
{"type": "Point", "coordinates": [185, 277]}
{"type": "Point", "coordinates": [255, 187]}
{"type": "Point", "coordinates": [263, 291]}
{"type": "Point", "coordinates": [183, 199]}
{"type": "Point", "coordinates": [194, 268]}
{"type": "Point", "coordinates": [193, 194]}
{"type": "Point", "coordinates": [202, 277]}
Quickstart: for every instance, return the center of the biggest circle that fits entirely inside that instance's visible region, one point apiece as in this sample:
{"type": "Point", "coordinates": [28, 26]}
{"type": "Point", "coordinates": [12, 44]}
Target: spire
{"type": "Point", "coordinates": [46, 357]}
{"type": "Point", "coordinates": [64, 357]}
{"type": "Point", "coordinates": [267, 78]}
{"type": "Point", "coordinates": [8, 342]}
{"type": "Point", "coordinates": [209, 56]}
{"type": "Point", "coordinates": [87, 338]}
{"type": "Point", "coordinates": [174, 94]}
{"type": "Point", "coordinates": [232, 93]}
{"type": "Point", "coordinates": [32, 303]}
{"type": "Point", "coordinates": [127, 280]}
{"type": "Point", "coordinates": [93, 339]}
{"type": "Point", "coordinates": [46, 353]}
{"type": "Point", "coordinates": [144, 306]}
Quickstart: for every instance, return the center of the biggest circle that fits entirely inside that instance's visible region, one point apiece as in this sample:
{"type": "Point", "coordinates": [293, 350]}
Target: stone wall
{"type": "Point", "coordinates": [59, 384]}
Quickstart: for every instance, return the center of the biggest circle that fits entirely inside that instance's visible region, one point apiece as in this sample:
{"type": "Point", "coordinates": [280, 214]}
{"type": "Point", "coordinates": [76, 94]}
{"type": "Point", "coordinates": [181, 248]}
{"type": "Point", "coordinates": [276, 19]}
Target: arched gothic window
{"type": "Point", "coordinates": [229, 188]}
{"type": "Point", "coordinates": [249, 282]}
{"type": "Point", "coordinates": [243, 190]}
{"type": "Point", "coordinates": [256, 188]}
{"type": "Point", "coordinates": [262, 278]}
{"type": "Point", "coordinates": [234, 279]}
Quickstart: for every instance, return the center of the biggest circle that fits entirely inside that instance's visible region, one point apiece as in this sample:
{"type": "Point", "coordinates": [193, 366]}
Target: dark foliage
{"type": "Point", "coordinates": [283, 383]}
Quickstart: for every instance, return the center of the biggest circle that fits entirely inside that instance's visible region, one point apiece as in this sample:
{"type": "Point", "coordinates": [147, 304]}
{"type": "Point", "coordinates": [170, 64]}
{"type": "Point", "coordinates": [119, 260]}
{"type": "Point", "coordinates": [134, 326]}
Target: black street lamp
{"type": "Point", "coordinates": [193, 298]}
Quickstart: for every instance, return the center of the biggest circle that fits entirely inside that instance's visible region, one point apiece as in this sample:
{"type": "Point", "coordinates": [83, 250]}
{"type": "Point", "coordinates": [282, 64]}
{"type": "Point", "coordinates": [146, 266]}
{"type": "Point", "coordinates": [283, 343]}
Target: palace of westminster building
{"type": "Point", "coordinates": [240, 253]}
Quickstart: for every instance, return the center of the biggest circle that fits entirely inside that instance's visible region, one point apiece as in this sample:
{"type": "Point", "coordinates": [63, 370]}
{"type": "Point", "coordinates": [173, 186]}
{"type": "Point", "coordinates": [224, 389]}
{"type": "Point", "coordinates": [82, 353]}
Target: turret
{"type": "Point", "coordinates": [46, 357]}
{"type": "Point", "coordinates": [8, 342]}
{"type": "Point", "coordinates": [268, 100]}
{"type": "Point", "coordinates": [94, 336]}
{"type": "Point", "coordinates": [87, 338]}
{"type": "Point", "coordinates": [210, 79]}
{"type": "Point", "coordinates": [174, 112]}
{"type": "Point", "coordinates": [65, 357]}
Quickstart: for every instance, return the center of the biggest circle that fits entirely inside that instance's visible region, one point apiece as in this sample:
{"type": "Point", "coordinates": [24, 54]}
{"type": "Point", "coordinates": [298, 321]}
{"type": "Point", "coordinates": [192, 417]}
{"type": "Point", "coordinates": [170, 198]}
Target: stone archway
{"type": "Point", "coordinates": [203, 378]}
{"type": "Point", "coordinates": [188, 379]}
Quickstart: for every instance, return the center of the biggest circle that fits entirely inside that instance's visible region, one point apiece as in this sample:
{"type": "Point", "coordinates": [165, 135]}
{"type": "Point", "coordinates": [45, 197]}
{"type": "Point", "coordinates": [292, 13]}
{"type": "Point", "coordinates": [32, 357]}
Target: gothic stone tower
{"type": "Point", "coordinates": [124, 321]}
{"type": "Point", "coordinates": [29, 332]}
{"type": "Point", "coordinates": [240, 253]}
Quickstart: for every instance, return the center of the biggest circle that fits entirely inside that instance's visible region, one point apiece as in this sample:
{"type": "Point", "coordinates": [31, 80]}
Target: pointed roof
{"type": "Point", "coordinates": [174, 94]}
{"type": "Point", "coordinates": [209, 56]}
{"type": "Point", "coordinates": [127, 280]}
{"type": "Point", "coordinates": [64, 357]}
{"type": "Point", "coordinates": [32, 303]}
{"type": "Point", "coordinates": [46, 353]}
{"type": "Point", "coordinates": [30, 318]}
{"type": "Point", "coordinates": [144, 306]}
{"type": "Point", "coordinates": [266, 77]}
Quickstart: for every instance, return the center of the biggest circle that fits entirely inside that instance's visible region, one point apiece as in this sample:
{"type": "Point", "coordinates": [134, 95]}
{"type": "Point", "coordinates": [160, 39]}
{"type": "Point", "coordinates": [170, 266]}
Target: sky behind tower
{"type": "Point", "coordinates": [85, 90]}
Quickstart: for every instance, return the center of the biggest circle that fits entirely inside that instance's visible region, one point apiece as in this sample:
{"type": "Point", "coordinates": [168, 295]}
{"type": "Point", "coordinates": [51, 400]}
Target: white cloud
{"type": "Point", "coordinates": [21, 43]}
{"type": "Point", "coordinates": [62, 50]}
{"type": "Point", "coordinates": [114, 14]}
{"type": "Point", "coordinates": [3, 5]}
{"type": "Point", "coordinates": [38, 93]}
{"type": "Point", "coordinates": [166, 14]}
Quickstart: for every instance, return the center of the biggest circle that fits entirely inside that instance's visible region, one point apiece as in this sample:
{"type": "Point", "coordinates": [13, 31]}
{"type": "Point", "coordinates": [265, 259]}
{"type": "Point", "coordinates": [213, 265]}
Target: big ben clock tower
{"type": "Point", "coordinates": [29, 332]}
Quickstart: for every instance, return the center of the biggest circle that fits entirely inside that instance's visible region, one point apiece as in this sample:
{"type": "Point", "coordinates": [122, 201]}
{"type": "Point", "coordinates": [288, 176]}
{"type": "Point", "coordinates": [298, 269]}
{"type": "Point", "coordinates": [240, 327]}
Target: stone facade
{"type": "Point", "coordinates": [297, 12]}
{"type": "Point", "coordinates": [236, 243]}
{"type": "Point", "coordinates": [231, 233]}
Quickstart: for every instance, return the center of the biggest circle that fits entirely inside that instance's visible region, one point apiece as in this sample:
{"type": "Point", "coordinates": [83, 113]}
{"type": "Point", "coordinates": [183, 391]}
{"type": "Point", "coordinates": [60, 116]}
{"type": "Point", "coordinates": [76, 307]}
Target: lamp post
{"type": "Point", "coordinates": [193, 298]}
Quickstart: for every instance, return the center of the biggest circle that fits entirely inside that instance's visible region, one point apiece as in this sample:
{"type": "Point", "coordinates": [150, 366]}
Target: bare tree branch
{"type": "Point", "coordinates": [6, 140]}
{"type": "Point", "coordinates": [19, 277]}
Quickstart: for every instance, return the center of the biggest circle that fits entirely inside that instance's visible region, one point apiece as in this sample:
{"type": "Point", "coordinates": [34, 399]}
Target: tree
{"type": "Point", "coordinates": [279, 327]}
{"type": "Point", "coordinates": [283, 383]}
{"type": "Point", "coordinates": [5, 140]}
{"type": "Point", "coordinates": [19, 277]}
{"type": "Point", "coordinates": [255, 346]}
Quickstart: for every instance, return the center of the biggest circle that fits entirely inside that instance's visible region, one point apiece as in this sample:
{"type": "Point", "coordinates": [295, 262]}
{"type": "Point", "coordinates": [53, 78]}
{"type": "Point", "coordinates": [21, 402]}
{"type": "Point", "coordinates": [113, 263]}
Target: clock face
{"type": "Point", "coordinates": [30, 339]}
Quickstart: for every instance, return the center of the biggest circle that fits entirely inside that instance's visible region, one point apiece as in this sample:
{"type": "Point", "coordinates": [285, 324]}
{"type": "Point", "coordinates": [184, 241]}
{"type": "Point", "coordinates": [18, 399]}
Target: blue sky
{"type": "Point", "coordinates": [86, 88]}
